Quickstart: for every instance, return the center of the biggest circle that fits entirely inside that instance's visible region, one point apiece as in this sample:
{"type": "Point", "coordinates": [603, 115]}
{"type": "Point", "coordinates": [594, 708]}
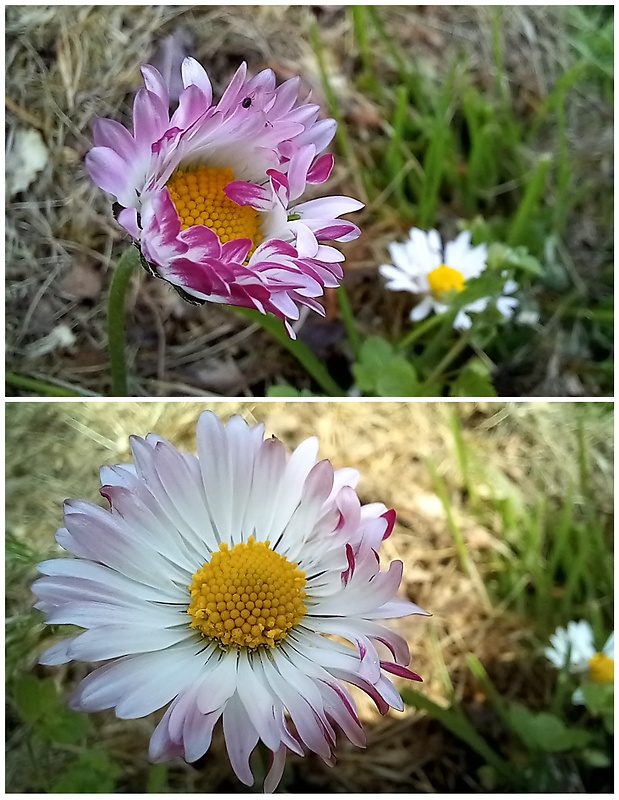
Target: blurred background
{"type": "Point", "coordinates": [504, 525]}
{"type": "Point", "coordinates": [496, 118]}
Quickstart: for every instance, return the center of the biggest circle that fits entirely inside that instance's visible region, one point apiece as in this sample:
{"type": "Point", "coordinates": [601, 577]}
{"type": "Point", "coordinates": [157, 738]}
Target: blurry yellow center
{"type": "Point", "coordinates": [247, 596]}
{"type": "Point", "coordinates": [445, 279]}
{"type": "Point", "coordinates": [198, 196]}
{"type": "Point", "coordinates": [601, 668]}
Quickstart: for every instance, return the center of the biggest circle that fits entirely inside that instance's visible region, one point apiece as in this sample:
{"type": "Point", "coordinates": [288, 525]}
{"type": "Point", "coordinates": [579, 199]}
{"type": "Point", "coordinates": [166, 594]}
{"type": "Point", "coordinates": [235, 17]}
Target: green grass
{"type": "Point", "coordinates": [555, 564]}
{"type": "Point", "coordinates": [454, 149]}
{"type": "Point", "coordinates": [558, 562]}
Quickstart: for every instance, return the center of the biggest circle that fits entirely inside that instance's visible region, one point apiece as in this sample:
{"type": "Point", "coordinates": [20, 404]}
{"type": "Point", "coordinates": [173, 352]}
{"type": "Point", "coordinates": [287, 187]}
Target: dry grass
{"type": "Point", "coordinates": [65, 65]}
{"type": "Point", "coordinates": [54, 451]}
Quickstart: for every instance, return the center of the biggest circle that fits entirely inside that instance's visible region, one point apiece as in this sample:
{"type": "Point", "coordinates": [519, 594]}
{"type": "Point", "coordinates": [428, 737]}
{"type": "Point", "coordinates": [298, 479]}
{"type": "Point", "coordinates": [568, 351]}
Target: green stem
{"type": "Point", "coordinates": [452, 354]}
{"type": "Point", "coordinates": [349, 320]}
{"type": "Point", "coordinates": [121, 278]}
{"type": "Point", "coordinates": [454, 720]}
{"type": "Point", "coordinates": [341, 136]}
{"type": "Point", "coordinates": [528, 207]}
{"type": "Point", "coordinates": [298, 349]}
{"type": "Point", "coordinates": [425, 325]}
{"type": "Point", "coordinates": [46, 388]}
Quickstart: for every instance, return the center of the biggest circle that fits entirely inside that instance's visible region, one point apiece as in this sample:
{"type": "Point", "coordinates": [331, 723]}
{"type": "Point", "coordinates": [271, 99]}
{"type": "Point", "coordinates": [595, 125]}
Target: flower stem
{"type": "Point", "coordinates": [453, 353]}
{"type": "Point", "coordinates": [349, 320]}
{"type": "Point", "coordinates": [419, 330]}
{"type": "Point", "coordinates": [298, 349]}
{"type": "Point", "coordinates": [47, 388]}
{"type": "Point", "coordinates": [121, 278]}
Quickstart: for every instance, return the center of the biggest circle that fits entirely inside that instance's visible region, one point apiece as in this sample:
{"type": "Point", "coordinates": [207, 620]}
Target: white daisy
{"type": "Point", "coordinates": [213, 585]}
{"type": "Point", "coordinates": [423, 267]}
{"type": "Point", "coordinates": [574, 647]}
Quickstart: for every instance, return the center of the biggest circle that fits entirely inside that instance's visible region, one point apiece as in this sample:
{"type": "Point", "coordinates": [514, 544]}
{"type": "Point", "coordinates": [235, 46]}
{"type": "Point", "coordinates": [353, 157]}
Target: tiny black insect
{"type": "Point", "coordinates": [246, 103]}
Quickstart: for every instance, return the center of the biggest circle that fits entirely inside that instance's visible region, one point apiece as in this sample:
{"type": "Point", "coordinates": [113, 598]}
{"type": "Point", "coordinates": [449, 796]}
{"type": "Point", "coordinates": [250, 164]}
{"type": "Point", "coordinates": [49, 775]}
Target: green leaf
{"type": "Point", "coordinates": [599, 697]}
{"type": "Point", "coordinates": [382, 371]}
{"type": "Point", "coordinates": [93, 772]}
{"type": "Point", "coordinates": [39, 705]}
{"type": "Point", "coordinates": [455, 721]}
{"type": "Point", "coordinates": [474, 381]}
{"type": "Point", "coordinates": [284, 390]}
{"type": "Point", "coordinates": [502, 256]}
{"type": "Point", "coordinates": [34, 698]}
{"type": "Point", "coordinates": [596, 758]}
{"type": "Point", "coordinates": [374, 351]}
{"type": "Point", "coordinates": [544, 732]}
{"type": "Point", "coordinates": [64, 726]}
{"type": "Point", "coordinates": [397, 379]}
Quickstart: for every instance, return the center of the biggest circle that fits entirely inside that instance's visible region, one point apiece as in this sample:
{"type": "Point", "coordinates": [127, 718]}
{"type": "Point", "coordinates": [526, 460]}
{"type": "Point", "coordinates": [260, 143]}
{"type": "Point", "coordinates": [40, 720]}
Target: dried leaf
{"type": "Point", "coordinates": [84, 281]}
{"type": "Point", "coordinates": [60, 337]}
{"type": "Point", "coordinates": [26, 157]}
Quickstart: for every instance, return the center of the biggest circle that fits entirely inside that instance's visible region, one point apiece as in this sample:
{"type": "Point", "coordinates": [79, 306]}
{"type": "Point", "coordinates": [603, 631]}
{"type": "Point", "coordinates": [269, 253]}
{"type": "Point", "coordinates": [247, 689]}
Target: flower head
{"type": "Point", "coordinates": [211, 195]}
{"type": "Point", "coordinates": [574, 647]}
{"type": "Point", "coordinates": [423, 267]}
{"type": "Point", "coordinates": [215, 584]}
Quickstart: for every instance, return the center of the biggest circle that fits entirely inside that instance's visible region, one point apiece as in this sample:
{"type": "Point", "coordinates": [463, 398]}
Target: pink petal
{"type": "Point", "coordinates": [150, 117]}
{"type": "Point", "coordinates": [193, 73]}
{"type": "Point", "coordinates": [328, 207]}
{"type": "Point", "coordinates": [390, 516]}
{"type": "Point", "coordinates": [192, 104]}
{"type": "Point", "coordinates": [245, 193]}
{"type": "Point", "coordinates": [340, 231]}
{"type": "Point", "coordinates": [236, 250]}
{"type": "Point", "coordinates": [109, 133]}
{"type": "Point", "coordinates": [233, 89]}
{"type": "Point", "coordinates": [153, 82]}
{"type": "Point", "coordinates": [280, 186]}
{"type": "Point", "coordinates": [398, 669]}
{"type": "Point", "coordinates": [298, 168]}
{"type": "Point", "coordinates": [128, 218]}
{"type": "Point", "coordinates": [110, 172]}
{"type": "Point", "coordinates": [321, 169]}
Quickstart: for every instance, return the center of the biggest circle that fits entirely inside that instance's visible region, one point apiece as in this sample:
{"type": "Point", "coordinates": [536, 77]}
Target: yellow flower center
{"type": "Point", "coordinates": [601, 668]}
{"type": "Point", "coordinates": [247, 597]}
{"type": "Point", "coordinates": [445, 279]}
{"type": "Point", "coordinates": [198, 196]}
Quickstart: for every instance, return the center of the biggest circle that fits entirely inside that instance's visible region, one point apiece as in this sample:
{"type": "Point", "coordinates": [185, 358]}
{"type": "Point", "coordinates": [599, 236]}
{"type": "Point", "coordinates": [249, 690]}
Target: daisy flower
{"type": "Point", "coordinates": [216, 584]}
{"type": "Point", "coordinates": [422, 266]}
{"type": "Point", "coordinates": [575, 648]}
{"type": "Point", "coordinates": [212, 194]}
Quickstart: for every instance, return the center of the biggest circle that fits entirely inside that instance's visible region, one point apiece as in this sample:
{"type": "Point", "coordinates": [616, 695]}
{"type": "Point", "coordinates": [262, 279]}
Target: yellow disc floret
{"type": "Point", "coordinates": [198, 196]}
{"type": "Point", "coordinates": [247, 596]}
{"type": "Point", "coordinates": [445, 279]}
{"type": "Point", "coordinates": [601, 668]}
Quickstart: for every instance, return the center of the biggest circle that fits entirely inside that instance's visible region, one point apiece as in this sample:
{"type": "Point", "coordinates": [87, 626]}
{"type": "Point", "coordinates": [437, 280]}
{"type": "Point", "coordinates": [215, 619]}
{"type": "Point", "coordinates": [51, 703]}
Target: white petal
{"type": "Point", "coordinates": [300, 711]}
{"type": "Point", "coordinates": [138, 685]}
{"type": "Point", "coordinates": [112, 641]}
{"type": "Point", "coordinates": [421, 310]}
{"type": "Point", "coordinates": [222, 681]}
{"type": "Point", "coordinates": [241, 738]}
{"type": "Point", "coordinates": [462, 321]}
{"type": "Point", "coordinates": [254, 693]}
{"type": "Point", "coordinates": [276, 770]}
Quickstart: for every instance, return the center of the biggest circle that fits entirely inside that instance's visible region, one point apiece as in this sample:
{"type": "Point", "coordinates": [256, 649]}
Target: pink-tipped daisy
{"type": "Point", "coordinates": [216, 584]}
{"type": "Point", "coordinates": [211, 195]}
{"type": "Point", "coordinates": [422, 266]}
